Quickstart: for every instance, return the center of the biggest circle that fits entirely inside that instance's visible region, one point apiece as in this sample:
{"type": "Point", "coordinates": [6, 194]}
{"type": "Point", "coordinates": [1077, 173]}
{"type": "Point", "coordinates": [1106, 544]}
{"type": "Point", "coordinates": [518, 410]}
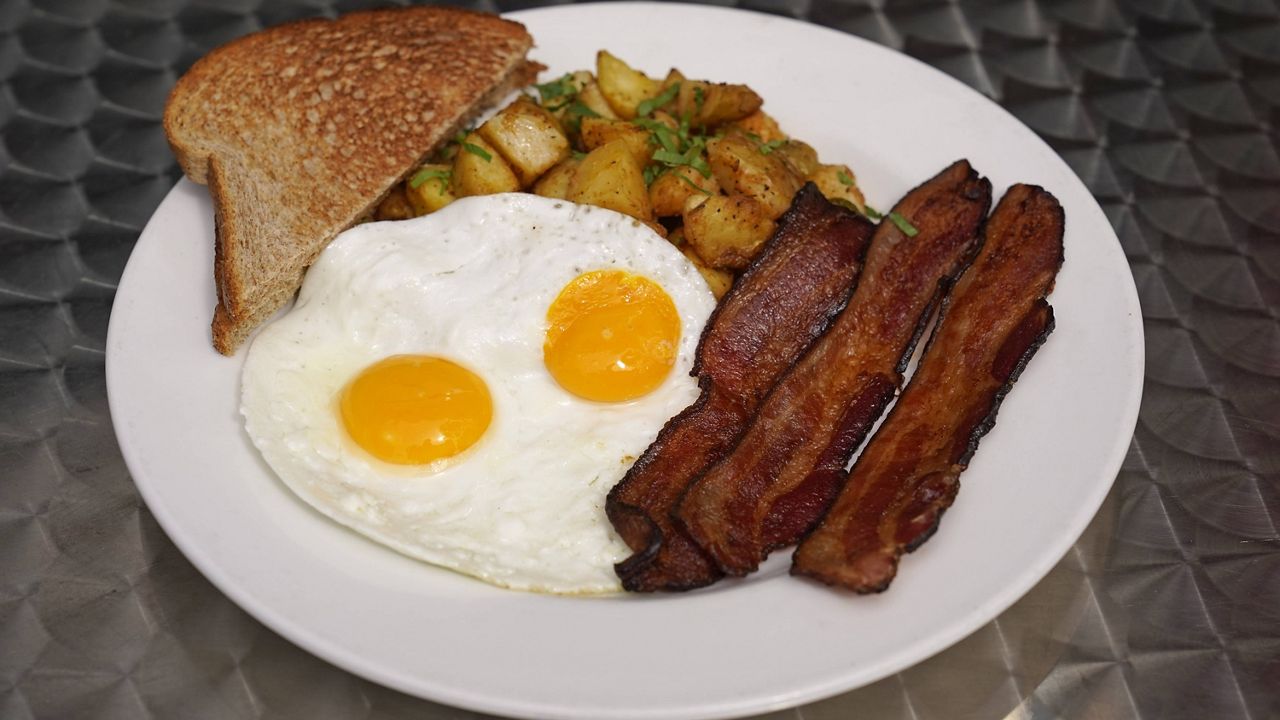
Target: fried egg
{"type": "Point", "coordinates": [467, 386]}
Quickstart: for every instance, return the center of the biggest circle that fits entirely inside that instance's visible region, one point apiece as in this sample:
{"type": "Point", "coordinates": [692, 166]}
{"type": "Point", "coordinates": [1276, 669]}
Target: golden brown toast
{"type": "Point", "coordinates": [301, 129]}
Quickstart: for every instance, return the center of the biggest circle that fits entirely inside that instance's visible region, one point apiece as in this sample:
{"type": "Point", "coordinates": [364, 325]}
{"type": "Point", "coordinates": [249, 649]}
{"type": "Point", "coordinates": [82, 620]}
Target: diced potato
{"type": "Point", "coordinates": [666, 119]}
{"type": "Point", "coordinates": [432, 190]}
{"type": "Point", "coordinates": [740, 167]}
{"type": "Point", "coordinates": [610, 177]}
{"type": "Point", "coordinates": [711, 104]}
{"type": "Point", "coordinates": [692, 202]}
{"type": "Point", "coordinates": [655, 226]}
{"type": "Point", "coordinates": [579, 79]}
{"type": "Point", "coordinates": [728, 230]}
{"type": "Point", "coordinates": [594, 100]}
{"type": "Point", "coordinates": [623, 86]}
{"type": "Point", "coordinates": [479, 169]}
{"type": "Point", "coordinates": [528, 137]}
{"type": "Point", "coordinates": [718, 280]}
{"type": "Point", "coordinates": [395, 206]}
{"type": "Point", "coordinates": [837, 182]}
{"type": "Point", "coordinates": [762, 125]}
{"type": "Point", "coordinates": [799, 156]}
{"type": "Point", "coordinates": [598, 131]}
{"type": "Point", "coordinates": [670, 190]}
{"type": "Point", "coordinates": [555, 183]}
{"type": "Point", "coordinates": [673, 76]}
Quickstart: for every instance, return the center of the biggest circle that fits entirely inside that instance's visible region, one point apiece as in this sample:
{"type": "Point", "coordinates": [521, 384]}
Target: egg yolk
{"type": "Point", "coordinates": [413, 409]}
{"type": "Point", "coordinates": [611, 336]}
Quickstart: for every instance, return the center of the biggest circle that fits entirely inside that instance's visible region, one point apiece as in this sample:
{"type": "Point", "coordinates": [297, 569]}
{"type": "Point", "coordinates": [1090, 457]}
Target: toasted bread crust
{"type": "Point", "coordinates": [301, 129]}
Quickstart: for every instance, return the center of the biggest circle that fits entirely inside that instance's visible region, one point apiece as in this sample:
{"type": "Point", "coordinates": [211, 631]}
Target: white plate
{"type": "Point", "coordinates": [741, 647]}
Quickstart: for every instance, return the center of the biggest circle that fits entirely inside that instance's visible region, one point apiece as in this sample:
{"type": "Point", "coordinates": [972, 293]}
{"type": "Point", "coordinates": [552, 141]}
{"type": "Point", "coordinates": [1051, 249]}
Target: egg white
{"type": "Point", "coordinates": [524, 507]}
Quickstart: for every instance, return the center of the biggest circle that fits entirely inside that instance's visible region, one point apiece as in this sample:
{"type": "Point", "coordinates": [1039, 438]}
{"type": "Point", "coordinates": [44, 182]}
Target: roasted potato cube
{"type": "Point", "coordinates": [395, 206]}
{"type": "Point", "coordinates": [837, 182]}
{"type": "Point", "coordinates": [761, 125]}
{"type": "Point", "coordinates": [728, 230]}
{"type": "Point", "coordinates": [655, 226]}
{"type": "Point", "coordinates": [594, 100]}
{"type": "Point", "coordinates": [610, 177]}
{"type": "Point", "coordinates": [623, 86]}
{"type": "Point", "coordinates": [528, 137]}
{"type": "Point", "coordinates": [673, 76]}
{"type": "Point", "coordinates": [598, 131]}
{"type": "Point", "coordinates": [718, 280]}
{"type": "Point", "coordinates": [555, 182]}
{"type": "Point", "coordinates": [711, 104]}
{"type": "Point", "coordinates": [799, 156]}
{"type": "Point", "coordinates": [479, 169]}
{"type": "Point", "coordinates": [670, 190]}
{"type": "Point", "coordinates": [429, 189]}
{"type": "Point", "coordinates": [740, 167]}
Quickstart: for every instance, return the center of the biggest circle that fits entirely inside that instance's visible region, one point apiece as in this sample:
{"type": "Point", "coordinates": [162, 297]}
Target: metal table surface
{"type": "Point", "coordinates": [1168, 607]}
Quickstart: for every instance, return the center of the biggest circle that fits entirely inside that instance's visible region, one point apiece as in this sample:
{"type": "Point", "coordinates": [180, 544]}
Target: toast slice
{"type": "Point", "coordinates": [301, 129]}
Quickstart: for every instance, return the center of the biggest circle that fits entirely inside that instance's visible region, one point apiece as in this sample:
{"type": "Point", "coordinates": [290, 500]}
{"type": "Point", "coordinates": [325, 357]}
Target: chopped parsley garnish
{"type": "Point", "coordinates": [765, 147]}
{"type": "Point", "coordinates": [477, 151]}
{"type": "Point", "coordinates": [845, 180]}
{"type": "Point", "coordinates": [574, 114]}
{"type": "Point", "coordinates": [444, 175]}
{"type": "Point", "coordinates": [562, 89]}
{"type": "Point", "coordinates": [675, 147]}
{"type": "Point", "coordinates": [692, 156]}
{"type": "Point", "coordinates": [903, 224]}
{"type": "Point", "coordinates": [694, 185]}
{"type": "Point", "coordinates": [646, 107]}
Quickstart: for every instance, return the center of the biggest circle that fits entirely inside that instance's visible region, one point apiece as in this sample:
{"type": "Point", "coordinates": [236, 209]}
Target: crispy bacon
{"type": "Point", "coordinates": [780, 304]}
{"type": "Point", "coordinates": [789, 464]}
{"type": "Point", "coordinates": [909, 473]}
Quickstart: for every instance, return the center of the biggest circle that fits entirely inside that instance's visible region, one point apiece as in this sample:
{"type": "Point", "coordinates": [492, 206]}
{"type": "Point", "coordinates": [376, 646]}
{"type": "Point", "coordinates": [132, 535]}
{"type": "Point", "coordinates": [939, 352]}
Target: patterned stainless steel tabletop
{"type": "Point", "coordinates": [1168, 607]}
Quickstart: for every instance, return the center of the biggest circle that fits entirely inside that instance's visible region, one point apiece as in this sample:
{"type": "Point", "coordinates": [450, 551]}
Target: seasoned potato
{"type": "Point", "coordinates": [428, 189]}
{"type": "Point", "coordinates": [610, 177]}
{"type": "Point", "coordinates": [837, 182]}
{"type": "Point", "coordinates": [799, 156]}
{"type": "Point", "coordinates": [623, 86]}
{"type": "Point", "coordinates": [673, 76]}
{"type": "Point", "coordinates": [594, 100]}
{"type": "Point", "coordinates": [740, 167]}
{"type": "Point", "coordinates": [711, 104]}
{"type": "Point", "coordinates": [479, 169]}
{"type": "Point", "coordinates": [598, 131]}
{"type": "Point", "coordinates": [718, 280]}
{"type": "Point", "coordinates": [395, 206]}
{"type": "Point", "coordinates": [528, 137]}
{"type": "Point", "coordinates": [670, 190]}
{"type": "Point", "coordinates": [555, 183]}
{"type": "Point", "coordinates": [762, 125]}
{"type": "Point", "coordinates": [727, 230]}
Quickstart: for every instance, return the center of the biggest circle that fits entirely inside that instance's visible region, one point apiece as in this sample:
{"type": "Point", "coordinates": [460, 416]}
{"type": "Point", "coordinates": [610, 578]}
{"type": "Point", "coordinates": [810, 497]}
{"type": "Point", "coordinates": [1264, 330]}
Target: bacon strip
{"type": "Point", "coordinates": [774, 311]}
{"type": "Point", "coordinates": [909, 473]}
{"type": "Point", "coordinates": [790, 462]}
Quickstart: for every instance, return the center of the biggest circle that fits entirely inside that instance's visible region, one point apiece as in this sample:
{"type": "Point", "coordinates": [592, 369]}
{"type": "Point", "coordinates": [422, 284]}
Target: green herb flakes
{"type": "Point", "coordinates": [425, 174]}
{"type": "Point", "coordinates": [646, 107]}
{"type": "Point", "coordinates": [477, 151]}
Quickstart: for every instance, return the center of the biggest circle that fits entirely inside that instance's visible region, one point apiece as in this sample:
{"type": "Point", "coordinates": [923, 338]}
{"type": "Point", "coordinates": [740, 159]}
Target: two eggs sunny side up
{"type": "Point", "coordinates": [466, 387]}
